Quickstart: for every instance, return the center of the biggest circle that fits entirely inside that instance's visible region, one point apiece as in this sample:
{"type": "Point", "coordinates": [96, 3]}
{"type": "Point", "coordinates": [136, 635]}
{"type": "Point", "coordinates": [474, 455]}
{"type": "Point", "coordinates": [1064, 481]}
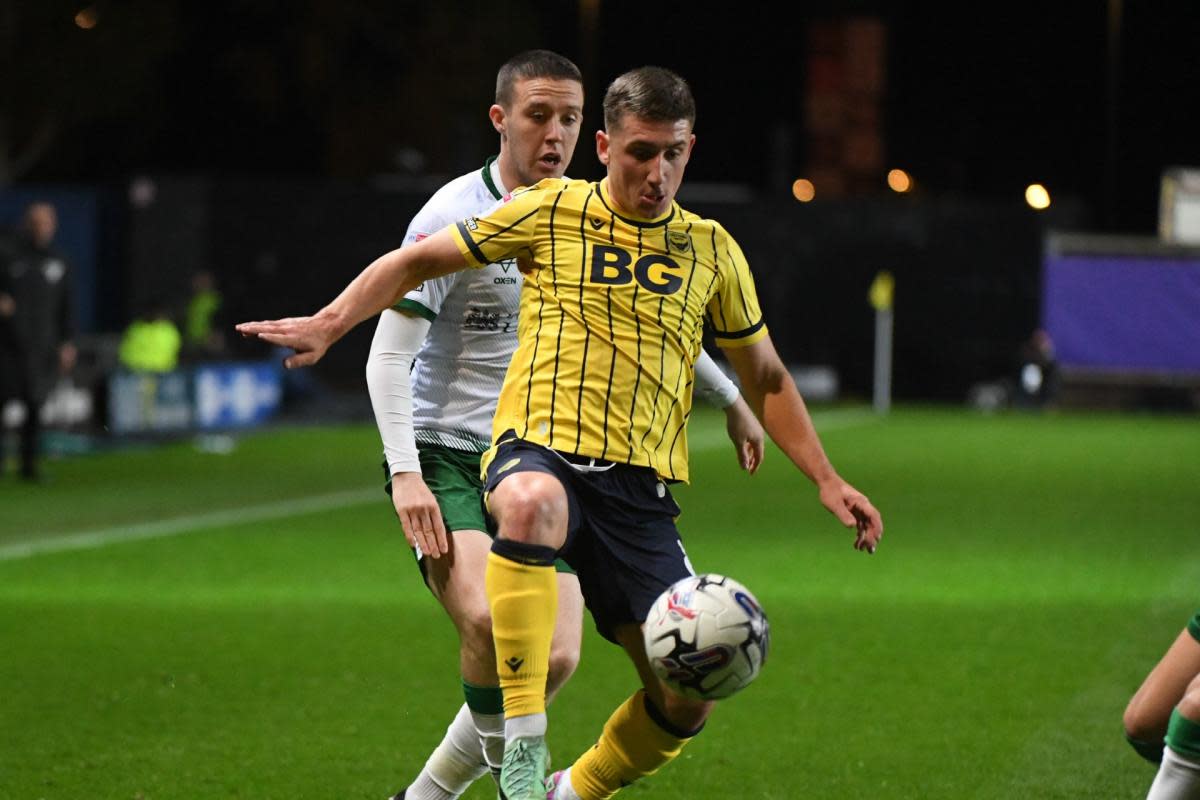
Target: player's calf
{"type": "Point", "coordinates": [637, 741]}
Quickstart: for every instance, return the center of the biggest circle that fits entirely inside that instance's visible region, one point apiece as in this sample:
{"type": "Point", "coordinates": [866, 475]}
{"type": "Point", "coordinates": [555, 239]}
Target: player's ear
{"type": "Point", "coordinates": [691, 144]}
{"type": "Point", "coordinates": [499, 118]}
{"type": "Point", "coordinates": [602, 147]}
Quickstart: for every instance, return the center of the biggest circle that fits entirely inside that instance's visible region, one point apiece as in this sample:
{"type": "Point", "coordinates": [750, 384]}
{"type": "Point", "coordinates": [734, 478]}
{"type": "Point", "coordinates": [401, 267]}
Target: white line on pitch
{"type": "Point", "coordinates": [173, 526]}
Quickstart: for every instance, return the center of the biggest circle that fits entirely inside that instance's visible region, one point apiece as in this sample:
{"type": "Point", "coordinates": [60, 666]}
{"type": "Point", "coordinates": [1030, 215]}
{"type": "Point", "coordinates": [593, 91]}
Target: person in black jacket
{"type": "Point", "coordinates": [35, 324]}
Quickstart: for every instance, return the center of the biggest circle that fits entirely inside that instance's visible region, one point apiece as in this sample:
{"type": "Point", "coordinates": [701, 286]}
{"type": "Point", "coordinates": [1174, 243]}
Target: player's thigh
{"type": "Point", "coordinates": [624, 565]}
{"type": "Point", "coordinates": [1150, 709]}
{"type": "Point", "coordinates": [682, 712]}
{"type": "Point", "coordinates": [457, 580]}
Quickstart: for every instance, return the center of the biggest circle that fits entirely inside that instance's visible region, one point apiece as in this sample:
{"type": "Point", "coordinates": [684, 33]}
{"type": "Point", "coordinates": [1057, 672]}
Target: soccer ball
{"type": "Point", "coordinates": [707, 637]}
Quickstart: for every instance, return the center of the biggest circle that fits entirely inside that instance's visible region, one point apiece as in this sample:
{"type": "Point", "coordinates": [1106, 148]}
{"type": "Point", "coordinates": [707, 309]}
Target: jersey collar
{"type": "Point", "coordinates": [635, 221]}
{"type": "Point", "coordinates": [491, 178]}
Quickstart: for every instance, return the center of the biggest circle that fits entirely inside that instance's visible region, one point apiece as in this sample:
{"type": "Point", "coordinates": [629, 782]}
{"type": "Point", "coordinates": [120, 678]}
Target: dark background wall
{"type": "Point", "coordinates": [284, 144]}
{"type": "Point", "coordinates": [1092, 98]}
{"type": "Point", "coordinates": [967, 272]}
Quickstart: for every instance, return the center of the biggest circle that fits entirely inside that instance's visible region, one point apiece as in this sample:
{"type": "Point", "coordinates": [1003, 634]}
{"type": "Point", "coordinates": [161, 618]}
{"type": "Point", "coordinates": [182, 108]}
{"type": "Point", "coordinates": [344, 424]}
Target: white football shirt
{"type": "Point", "coordinates": [473, 325]}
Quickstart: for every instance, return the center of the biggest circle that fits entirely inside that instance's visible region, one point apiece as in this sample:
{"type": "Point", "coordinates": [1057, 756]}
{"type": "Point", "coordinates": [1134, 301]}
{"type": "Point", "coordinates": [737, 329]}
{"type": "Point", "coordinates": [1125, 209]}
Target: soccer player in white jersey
{"type": "Point", "coordinates": [461, 331]}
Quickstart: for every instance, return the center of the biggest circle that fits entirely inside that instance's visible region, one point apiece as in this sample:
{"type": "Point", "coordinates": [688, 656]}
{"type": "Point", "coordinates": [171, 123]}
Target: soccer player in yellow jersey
{"type": "Point", "coordinates": [435, 418]}
{"type": "Point", "coordinates": [590, 424]}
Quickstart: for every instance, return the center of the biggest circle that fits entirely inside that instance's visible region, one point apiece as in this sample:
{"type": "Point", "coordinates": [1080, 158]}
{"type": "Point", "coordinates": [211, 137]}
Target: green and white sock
{"type": "Point", "coordinates": [454, 765]}
{"type": "Point", "coordinates": [1179, 775]}
{"type": "Point", "coordinates": [487, 711]}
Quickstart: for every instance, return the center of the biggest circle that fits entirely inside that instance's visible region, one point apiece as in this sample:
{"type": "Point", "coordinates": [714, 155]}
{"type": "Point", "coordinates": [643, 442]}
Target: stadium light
{"type": "Point", "coordinates": [803, 190]}
{"type": "Point", "coordinates": [87, 18]}
{"type": "Point", "coordinates": [899, 181]}
{"type": "Point", "coordinates": [1037, 197]}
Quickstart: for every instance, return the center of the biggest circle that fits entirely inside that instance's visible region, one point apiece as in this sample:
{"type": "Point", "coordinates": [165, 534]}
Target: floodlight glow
{"type": "Point", "coordinates": [899, 181]}
{"type": "Point", "coordinates": [1037, 197]}
{"type": "Point", "coordinates": [803, 190]}
{"type": "Point", "coordinates": [87, 18]}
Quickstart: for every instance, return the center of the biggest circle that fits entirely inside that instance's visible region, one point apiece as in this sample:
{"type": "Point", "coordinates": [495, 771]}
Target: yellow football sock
{"type": "Point", "coordinates": [523, 597]}
{"type": "Point", "coordinates": [632, 746]}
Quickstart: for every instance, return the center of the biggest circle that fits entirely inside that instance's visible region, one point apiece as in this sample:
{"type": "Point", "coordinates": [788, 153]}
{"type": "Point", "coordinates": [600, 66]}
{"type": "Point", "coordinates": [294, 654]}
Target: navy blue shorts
{"type": "Point", "coordinates": [621, 536]}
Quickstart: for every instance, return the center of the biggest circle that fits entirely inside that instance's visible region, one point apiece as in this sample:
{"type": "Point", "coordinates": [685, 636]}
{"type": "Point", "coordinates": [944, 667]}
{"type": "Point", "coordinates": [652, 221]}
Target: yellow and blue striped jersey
{"type": "Point", "coordinates": [611, 319]}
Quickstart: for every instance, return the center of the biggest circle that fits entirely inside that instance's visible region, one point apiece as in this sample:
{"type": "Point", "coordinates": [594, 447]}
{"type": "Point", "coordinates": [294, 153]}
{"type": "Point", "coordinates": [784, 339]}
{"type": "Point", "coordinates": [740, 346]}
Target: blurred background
{"type": "Point", "coordinates": [1020, 171]}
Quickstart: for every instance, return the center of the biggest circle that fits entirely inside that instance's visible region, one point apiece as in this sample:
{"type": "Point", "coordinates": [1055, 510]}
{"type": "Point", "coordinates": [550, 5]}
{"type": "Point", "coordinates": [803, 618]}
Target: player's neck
{"type": "Point", "coordinates": [504, 175]}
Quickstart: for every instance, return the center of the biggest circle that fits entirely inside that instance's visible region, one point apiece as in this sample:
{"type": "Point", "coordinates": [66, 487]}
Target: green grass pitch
{"type": "Point", "coordinates": [257, 645]}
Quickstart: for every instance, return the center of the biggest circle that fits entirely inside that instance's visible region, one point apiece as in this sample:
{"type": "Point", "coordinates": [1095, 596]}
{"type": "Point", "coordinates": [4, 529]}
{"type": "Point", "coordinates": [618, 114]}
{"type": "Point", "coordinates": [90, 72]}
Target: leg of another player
{"type": "Point", "coordinates": [568, 635]}
{"type": "Point", "coordinates": [453, 764]}
{"type": "Point", "coordinates": [1149, 710]}
{"type": "Point", "coordinates": [474, 741]}
{"type": "Point", "coordinates": [1179, 775]}
{"type": "Point", "coordinates": [647, 731]}
{"type": "Point", "coordinates": [531, 511]}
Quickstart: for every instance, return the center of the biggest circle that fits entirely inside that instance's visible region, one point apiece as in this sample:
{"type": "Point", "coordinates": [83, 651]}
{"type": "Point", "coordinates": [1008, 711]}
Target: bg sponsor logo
{"type": "Point", "coordinates": [654, 273]}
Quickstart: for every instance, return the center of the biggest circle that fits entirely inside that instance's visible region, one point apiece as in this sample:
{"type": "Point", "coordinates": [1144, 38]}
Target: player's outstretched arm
{"type": "Point", "coordinates": [376, 288]}
{"type": "Point", "coordinates": [769, 389]}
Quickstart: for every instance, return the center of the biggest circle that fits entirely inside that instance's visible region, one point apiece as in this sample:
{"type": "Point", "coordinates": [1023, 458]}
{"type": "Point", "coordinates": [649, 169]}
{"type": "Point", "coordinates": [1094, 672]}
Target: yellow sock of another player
{"type": "Point", "coordinates": [635, 743]}
{"type": "Point", "coordinates": [523, 595]}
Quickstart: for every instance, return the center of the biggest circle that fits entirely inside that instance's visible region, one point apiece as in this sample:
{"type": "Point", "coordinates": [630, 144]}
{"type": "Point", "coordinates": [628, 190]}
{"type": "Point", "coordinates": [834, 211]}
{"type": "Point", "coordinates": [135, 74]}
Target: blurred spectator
{"type": "Point", "coordinates": [36, 325]}
{"type": "Point", "coordinates": [1037, 382]}
{"type": "Point", "coordinates": [151, 343]}
{"type": "Point", "coordinates": [203, 335]}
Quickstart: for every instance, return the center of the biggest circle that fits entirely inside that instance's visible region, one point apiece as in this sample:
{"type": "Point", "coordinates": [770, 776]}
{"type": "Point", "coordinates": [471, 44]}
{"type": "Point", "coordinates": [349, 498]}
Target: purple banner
{"type": "Point", "coordinates": [1122, 312]}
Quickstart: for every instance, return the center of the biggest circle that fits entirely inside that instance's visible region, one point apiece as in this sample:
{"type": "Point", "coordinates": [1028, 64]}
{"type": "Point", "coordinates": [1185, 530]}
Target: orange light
{"type": "Point", "coordinates": [899, 181]}
{"type": "Point", "coordinates": [87, 18]}
{"type": "Point", "coordinates": [803, 190]}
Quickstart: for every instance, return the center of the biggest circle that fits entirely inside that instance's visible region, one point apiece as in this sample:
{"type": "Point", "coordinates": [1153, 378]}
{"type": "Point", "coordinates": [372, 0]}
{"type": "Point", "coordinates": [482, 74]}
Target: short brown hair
{"type": "Point", "coordinates": [649, 93]}
{"type": "Point", "coordinates": [533, 64]}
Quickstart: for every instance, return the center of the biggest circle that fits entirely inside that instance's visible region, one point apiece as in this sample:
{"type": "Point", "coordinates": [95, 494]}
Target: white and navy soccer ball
{"type": "Point", "coordinates": [707, 637]}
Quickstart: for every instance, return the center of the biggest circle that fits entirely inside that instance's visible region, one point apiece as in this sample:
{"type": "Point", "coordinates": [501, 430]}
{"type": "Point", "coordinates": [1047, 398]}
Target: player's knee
{"type": "Point", "coordinates": [1144, 730]}
{"type": "Point", "coordinates": [1142, 726]}
{"type": "Point", "coordinates": [528, 506]}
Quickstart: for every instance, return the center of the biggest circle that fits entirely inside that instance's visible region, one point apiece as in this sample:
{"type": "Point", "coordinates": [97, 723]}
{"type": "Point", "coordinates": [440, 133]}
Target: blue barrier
{"type": "Point", "coordinates": [205, 397]}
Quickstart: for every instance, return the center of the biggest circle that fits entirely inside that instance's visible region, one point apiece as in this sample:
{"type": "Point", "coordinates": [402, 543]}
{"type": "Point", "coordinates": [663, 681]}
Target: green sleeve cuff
{"type": "Point", "coordinates": [407, 306]}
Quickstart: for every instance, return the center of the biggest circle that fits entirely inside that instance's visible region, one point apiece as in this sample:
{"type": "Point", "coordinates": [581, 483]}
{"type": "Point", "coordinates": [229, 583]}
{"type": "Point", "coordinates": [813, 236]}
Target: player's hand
{"type": "Point", "coordinates": [855, 511]}
{"type": "Point", "coordinates": [419, 515]}
{"type": "Point", "coordinates": [746, 433]}
{"type": "Point", "coordinates": [309, 337]}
